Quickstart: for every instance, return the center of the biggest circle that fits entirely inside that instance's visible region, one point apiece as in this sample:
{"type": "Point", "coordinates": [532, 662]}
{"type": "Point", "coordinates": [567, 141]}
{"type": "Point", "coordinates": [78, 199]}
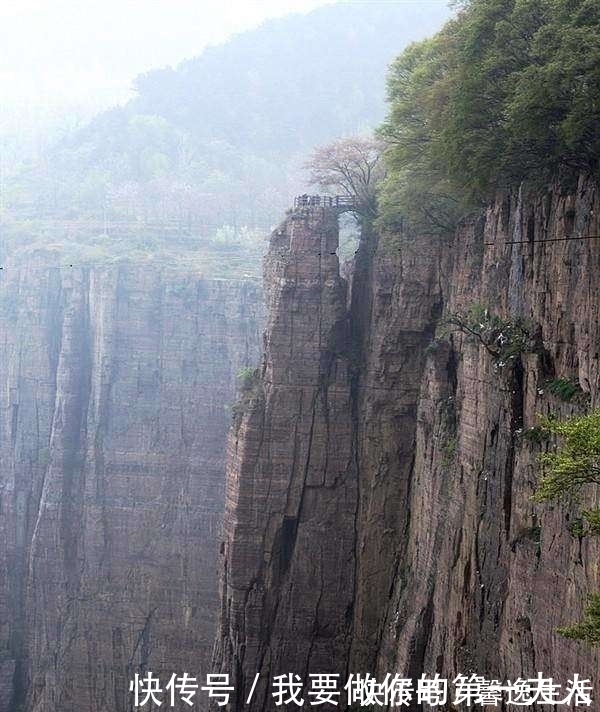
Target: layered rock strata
{"type": "Point", "coordinates": [289, 558]}
{"type": "Point", "coordinates": [114, 393]}
{"type": "Point", "coordinates": [379, 511]}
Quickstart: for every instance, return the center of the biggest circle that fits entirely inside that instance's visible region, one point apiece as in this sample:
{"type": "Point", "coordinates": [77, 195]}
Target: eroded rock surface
{"type": "Point", "coordinates": [488, 575]}
{"type": "Point", "coordinates": [289, 550]}
{"type": "Point", "coordinates": [114, 390]}
{"type": "Point", "coordinates": [379, 498]}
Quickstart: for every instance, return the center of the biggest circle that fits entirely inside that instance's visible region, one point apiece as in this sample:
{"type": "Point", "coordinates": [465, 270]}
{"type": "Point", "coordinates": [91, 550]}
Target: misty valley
{"type": "Point", "coordinates": [300, 362]}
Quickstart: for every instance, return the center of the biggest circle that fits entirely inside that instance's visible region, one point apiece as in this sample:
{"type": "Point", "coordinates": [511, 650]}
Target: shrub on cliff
{"type": "Point", "coordinates": [588, 630]}
{"type": "Point", "coordinates": [508, 90]}
{"type": "Point", "coordinates": [503, 339]}
{"type": "Point", "coordinates": [248, 378]}
{"type": "Point", "coordinates": [574, 463]}
{"type": "Point", "coordinates": [568, 390]}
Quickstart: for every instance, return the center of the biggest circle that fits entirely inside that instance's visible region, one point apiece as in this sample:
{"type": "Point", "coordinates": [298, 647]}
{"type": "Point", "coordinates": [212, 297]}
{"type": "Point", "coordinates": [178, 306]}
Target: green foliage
{"type": "Point", "coordinates": [535, 434]}
{"type": "Point", "coordinates": [250, 383]}
{"type": "Point", "coordinates": [449, 452]}
{"type": "Point", "coordinates": [507, 91]}
{"type": "Point", "coordinates": [587, 630]}
{"type": "Point", "coordinates": [504, 339]}
{"type": "Point", "coordinates": [248, 378]}
{"type": "Point", "coordinates": [592, 517]}
{"type": "Point", "coordinates": [563, 388]}
{"type": "Point", "coordinates": [576, 528]}
{"type": "Point", "coordinates": [571, 466]}
{"type": "Point", "coordinates": [241, 258]}
{"type": "Point", "coordinates": [576, 462]}
{"type": "Point", "coordinates": [567, 389]}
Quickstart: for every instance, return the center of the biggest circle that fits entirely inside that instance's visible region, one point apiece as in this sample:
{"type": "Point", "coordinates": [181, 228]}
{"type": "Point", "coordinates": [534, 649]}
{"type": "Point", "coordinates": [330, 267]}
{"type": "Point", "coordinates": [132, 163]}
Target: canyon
{"type": "Point", "coordinates": [116, 384]}
{"type": "Point", "coordinates": [376, 514]}
{"type": "Point", "coordinates": [379, 514]}
{"type": "Point", "coordinates": [330, 473]}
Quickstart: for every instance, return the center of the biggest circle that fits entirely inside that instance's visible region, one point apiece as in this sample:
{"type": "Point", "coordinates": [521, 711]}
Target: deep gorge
{"type": "Point", "coordinates": [378, 496]}
{"type": "Point", "coordinates": [379, 513]}
{"type": "Point", "coordinates": [369, 449]}
{"type": "Point", "coordinates": [115, 385]}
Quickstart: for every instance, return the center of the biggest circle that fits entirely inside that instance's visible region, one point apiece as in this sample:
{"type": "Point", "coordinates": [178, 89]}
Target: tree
{"type": "Point", "coordinates": [352, 167]}
{"type": "Point", "coordinates": [503, 339]}
{"type": "Point", "coordinates": [572, 465]}
{"type": "Point", "coordinates": [507, 91]}
{"type": "Point", "coordinates": [576, 462]}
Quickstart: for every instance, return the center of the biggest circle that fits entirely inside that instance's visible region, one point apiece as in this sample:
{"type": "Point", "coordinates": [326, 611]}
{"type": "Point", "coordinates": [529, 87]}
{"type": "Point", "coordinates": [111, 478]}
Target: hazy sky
{"type": "Point", "coordinates": [87, 51]}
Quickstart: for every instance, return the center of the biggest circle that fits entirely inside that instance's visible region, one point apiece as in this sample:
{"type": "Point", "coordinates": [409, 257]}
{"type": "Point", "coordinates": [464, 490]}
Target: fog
{"type": "Point", "coordinates": [69, 52]}
{"type": "Point", "coordinates": [284, 285]}
{"type": "Point", "coordinates": [163, 129]}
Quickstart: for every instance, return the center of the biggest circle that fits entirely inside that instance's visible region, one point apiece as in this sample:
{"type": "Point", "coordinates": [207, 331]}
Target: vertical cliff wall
{"type": "Point", "coordinates": [434, 557]}
{"type": "Point", "coordinates": [291, 486]}
{"type": "Point", "coordinates": [114, 393]}
{"type": "Point", "coordinates": [488, 576]}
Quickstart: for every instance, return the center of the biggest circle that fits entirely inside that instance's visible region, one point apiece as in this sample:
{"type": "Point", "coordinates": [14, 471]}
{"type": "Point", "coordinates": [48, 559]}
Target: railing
{"type": "Point", "coordinates": [325, 201]}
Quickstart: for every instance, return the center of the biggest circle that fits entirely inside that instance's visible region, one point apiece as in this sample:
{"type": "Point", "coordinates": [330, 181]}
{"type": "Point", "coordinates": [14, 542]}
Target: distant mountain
{"type": "Point", "coordinates": [219, 140]}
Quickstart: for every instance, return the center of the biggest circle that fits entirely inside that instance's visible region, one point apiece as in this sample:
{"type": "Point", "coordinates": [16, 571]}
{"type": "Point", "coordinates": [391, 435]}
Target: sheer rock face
{"type": "Point", "coordinates": [421, 549]}
{"type": "Point", "coordinates": [488, 575]}
{"type": "Point", "coordinates": [113, 389]}
{"type": "Point", "coordinates": [289, 549]}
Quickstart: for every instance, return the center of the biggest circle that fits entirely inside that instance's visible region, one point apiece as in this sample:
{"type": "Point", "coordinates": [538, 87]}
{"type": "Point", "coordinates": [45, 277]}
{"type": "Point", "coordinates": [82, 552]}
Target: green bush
{"type": "Point", "coordinates": [503, 339]}
{"type": "Point", "coordinates": [588, 630]}
{"type": "Point", "coordinates": [576, 462]}
{"type": "Point", "coordinates": [535, 434]}
{"type": "Point", "coordinates": [592, 517]}
{"type": "Point", "coordinates": [449, 452]}
{"type": "Point", "coordinates": [568, 389]}
{"type": "Point", "coordinates": [576, 528]}
{"type": "Point", "coordinates": [247, 379]}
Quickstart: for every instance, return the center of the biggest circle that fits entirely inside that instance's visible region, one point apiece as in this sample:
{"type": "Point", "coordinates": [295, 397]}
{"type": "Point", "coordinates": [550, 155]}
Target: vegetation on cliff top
{"type": "Point", "coordinates": [509, 90]}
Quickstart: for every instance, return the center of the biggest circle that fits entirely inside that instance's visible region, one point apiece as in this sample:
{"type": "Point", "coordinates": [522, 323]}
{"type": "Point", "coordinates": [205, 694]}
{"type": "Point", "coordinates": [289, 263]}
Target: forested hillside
{"type": "Point", "coordinates": [507, 91]}
{"type": "Point", "coordinates": [242, 114]}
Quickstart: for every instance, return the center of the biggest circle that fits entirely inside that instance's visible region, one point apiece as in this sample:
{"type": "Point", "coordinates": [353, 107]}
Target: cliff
{"type": "Point", "coordinates": [379, 514]}
{"type": "Point", "coordinates": [488, 576]}
{"type": "Point", "coordinates": [291, 479]}
{"type": "Point", "coordinates": [114, 385]}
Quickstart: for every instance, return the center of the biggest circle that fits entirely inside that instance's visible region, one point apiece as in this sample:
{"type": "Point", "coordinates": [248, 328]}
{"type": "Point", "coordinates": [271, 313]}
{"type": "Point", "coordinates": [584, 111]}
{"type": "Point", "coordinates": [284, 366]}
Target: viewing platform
{"type": "Point", "coordinates": [339, 203]}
